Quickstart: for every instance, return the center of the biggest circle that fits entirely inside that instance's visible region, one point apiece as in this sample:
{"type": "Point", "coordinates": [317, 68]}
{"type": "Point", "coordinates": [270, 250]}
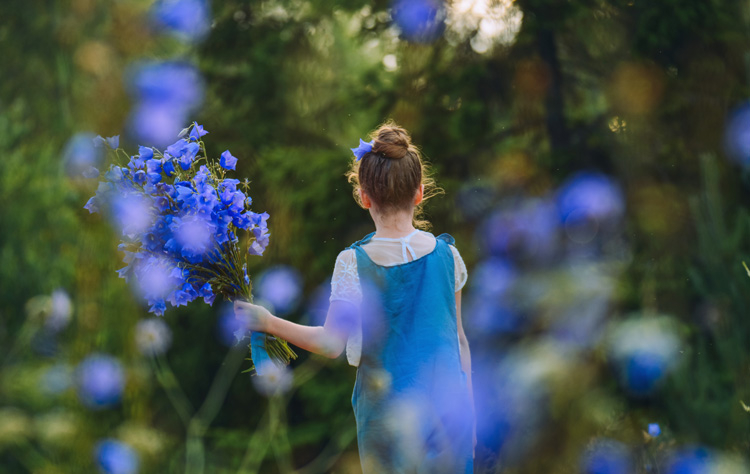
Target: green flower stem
{"type": "Point", "coordinates": [176, 395]}
{"type": "Point", "coordinates": [342, 438]}
{"type": "Point", "coordinates": [257, 447]}
{"type": "Point", "coordinates": [195, 449]}
{"type": "Point", "coordinates": [281, 448]}
{"type": "Point", "coordinates": [23, 339]}
{"type": "Point", "coordinates": [261, 440]}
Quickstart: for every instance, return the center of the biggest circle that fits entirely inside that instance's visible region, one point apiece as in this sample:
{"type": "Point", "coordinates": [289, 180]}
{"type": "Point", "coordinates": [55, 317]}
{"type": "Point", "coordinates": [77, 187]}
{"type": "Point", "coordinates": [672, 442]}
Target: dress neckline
{"type": "Point", "coordinates": [370, 237]}
{"type": "Point", "coordinates": [396, 239]}
{"type": "Point", "coordinates": [405, 245]}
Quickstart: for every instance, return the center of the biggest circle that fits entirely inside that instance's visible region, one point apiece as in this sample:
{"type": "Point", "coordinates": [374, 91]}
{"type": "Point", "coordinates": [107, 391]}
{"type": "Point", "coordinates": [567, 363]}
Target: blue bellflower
{"type": "Point", "coordinates": [363, 148]}
{"type": "Point", "coordinates": [227, 161]}
{"type": "Point", "coordinates": [197, 132]}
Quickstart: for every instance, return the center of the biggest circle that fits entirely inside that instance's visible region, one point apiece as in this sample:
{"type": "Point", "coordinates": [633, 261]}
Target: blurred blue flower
{"type": "Point", "coordinates": [115, 457]}
{"type": "Point", "coordinates": [152, 336]}
{"type": "Point", "coordinates": [281, 286]}
{"type": "Point", "coordinates": [229, 329]}
{"type": "Point", "coordinates": [491, 308]}
{"type": "Point", "coordinates": [189, 20]}
{"type": "Point", "coordinates": [737, 134]}
{"type": "Point", "coordinates": [643, 370]}
{"type": "Point", "coordinates": [511, 394]}
{"type": "Point", "coordinates": [165, 93]}
{"type": "Point", "coordinates": [132, 213]}
{"type": "Point", "coordinates": [61, 309]}
{"type": "Point", "coordinates": [528, 230]}
{"type": "Point", "coordinates": [100, 381]}
{"type": "Point", "coordinates": [494, 277]}
{"type": "Point", "coordinates": [193, 237]}
{"type": "Point", "coordinates": [227, 161]}
{"type": "Point", "coordinates": [654, 429]}
{"type": "Point", "coordinates": [421, 21]}
{"type": "Point", "coordinates": [155, 280]}
{"type": "Point", "coordinates": [91, 172]}
{"type": "Point", "coordinates": [644, 351]}
{"type": "Point", "coordinates": [691, 460]}
{"type": "Point", "coordinates": [607, 456]}
{"type": "Point", "coordinates": [589, 195]}
{"type": "Point", "coordinates": [154, 123]}
{"type": "Point", "coordinates": [80, 155]}
{"type": "Point", "coordinates": [318, 303]}
{"type": "Point", "coordinates": [275, 380]}
{"type": "Point", "coordinates": [178, 84]}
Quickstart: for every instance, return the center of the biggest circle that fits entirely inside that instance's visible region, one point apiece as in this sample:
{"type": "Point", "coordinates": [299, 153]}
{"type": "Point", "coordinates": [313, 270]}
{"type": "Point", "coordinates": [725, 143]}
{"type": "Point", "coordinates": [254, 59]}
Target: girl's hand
{"type": "Point", "coordinates": [256, 318]}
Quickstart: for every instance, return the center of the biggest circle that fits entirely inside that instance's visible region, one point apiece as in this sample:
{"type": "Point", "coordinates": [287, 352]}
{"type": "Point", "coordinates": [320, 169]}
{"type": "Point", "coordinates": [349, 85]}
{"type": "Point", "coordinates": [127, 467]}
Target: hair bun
{"type": "Point", "coordinates": [392, 142]}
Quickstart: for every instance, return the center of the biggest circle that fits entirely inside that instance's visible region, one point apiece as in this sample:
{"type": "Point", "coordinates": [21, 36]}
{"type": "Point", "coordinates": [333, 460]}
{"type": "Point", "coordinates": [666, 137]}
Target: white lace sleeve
{"type": "Point", "coordinates": [345, 280]}
{"type": "Point", "coordinates": [460, 269]}
{"type": "Point", "coordinates": [345, 286]}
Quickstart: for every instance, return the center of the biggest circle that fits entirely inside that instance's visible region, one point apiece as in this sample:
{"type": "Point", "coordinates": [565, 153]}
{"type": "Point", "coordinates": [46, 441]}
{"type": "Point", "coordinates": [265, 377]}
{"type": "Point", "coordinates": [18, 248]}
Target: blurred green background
{"type": "Point", "coordinates": [508, 101]}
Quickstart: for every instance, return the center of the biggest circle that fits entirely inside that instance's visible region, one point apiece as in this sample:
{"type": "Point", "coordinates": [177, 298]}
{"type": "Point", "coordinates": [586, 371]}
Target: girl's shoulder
{"type": "Point", "coordinates": [346, 257]}
{"type": "Point", "coordinates": [447, 238]}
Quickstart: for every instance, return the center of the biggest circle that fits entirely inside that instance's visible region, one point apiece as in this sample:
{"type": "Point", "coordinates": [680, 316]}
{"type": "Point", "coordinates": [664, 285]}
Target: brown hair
{"type": "Point", "coordinates": [392, 172]}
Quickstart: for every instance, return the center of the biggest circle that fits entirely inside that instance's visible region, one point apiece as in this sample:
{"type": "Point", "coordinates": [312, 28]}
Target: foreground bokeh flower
{"type": "Point", "coordinates": [421, 21]}
{"type": "Point", "coordinates": [61, 309]}
{"type": "Point", "coordinates": [115, 457]}
{"type": "Point", "coordinates": [276, 380]}
{"type": "Point", "coordinates": [100, 380]}
{"type": "Point", "coordinates": [644, 350]}
{"type": "Point", "coordinates": [188, 20]}
{"type": "Point", "coordinates": [165, 93]}
{"type": "Point", "coordinates": [590, 195]}
{"type": "Point", "coordinates": [80, 155]}
{"type": "Point", "coordinates": [737, 134]}
{"type": "Point", "coordinates": [281, 286]}
{"type": "Point", "coordinates": [607, 456]}
{"type": "Point", "coordinates": [152, 336]}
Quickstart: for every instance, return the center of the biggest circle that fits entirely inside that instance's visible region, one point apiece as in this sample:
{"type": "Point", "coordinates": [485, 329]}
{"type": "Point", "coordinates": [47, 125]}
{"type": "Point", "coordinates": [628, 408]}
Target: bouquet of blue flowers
{"type": "Point", "coordinates": [180, 219]}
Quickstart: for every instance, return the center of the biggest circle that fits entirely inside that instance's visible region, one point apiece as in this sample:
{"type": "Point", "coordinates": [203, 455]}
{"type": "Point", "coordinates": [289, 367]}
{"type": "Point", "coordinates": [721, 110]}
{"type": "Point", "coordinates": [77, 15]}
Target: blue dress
{"type": "Point", "coordinates": [411, 401]}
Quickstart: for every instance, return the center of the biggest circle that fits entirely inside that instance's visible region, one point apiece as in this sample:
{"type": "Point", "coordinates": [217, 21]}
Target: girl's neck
{"type": "Point", "coordinates": [394, 224]}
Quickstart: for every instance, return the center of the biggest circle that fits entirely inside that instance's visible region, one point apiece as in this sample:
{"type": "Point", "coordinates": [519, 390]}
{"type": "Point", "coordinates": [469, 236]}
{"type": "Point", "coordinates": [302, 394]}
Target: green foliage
{"type": "Point", "coordinates": [635, 88]}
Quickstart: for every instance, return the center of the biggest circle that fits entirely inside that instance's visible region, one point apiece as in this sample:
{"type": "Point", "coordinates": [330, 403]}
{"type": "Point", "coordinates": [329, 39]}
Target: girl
{"type": "Point", "coordinates": [396, 308]}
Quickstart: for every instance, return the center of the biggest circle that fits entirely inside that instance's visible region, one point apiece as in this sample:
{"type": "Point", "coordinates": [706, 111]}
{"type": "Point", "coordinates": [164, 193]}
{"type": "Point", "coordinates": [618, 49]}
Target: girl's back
{"type": "Point", "coordinates": [346, 286]}
{"type": "Point", "coordinates": [410, 398]}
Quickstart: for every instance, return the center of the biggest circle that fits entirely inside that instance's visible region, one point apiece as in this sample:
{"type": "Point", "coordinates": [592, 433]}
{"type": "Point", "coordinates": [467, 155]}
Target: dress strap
{"type": "Point", "coordinates": [405, 245]}
{"type": "Point", "coordinates": [447, 238]}
{"type": "Point", "coordinates": [362, 241]}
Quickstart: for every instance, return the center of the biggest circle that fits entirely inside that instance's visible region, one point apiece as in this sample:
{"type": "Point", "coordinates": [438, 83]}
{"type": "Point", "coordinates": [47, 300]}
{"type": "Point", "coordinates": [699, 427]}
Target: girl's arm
{"type": "Point", "coordinates": [328, 340]}
{"type": "Point", "coordinates": [465, 360]}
